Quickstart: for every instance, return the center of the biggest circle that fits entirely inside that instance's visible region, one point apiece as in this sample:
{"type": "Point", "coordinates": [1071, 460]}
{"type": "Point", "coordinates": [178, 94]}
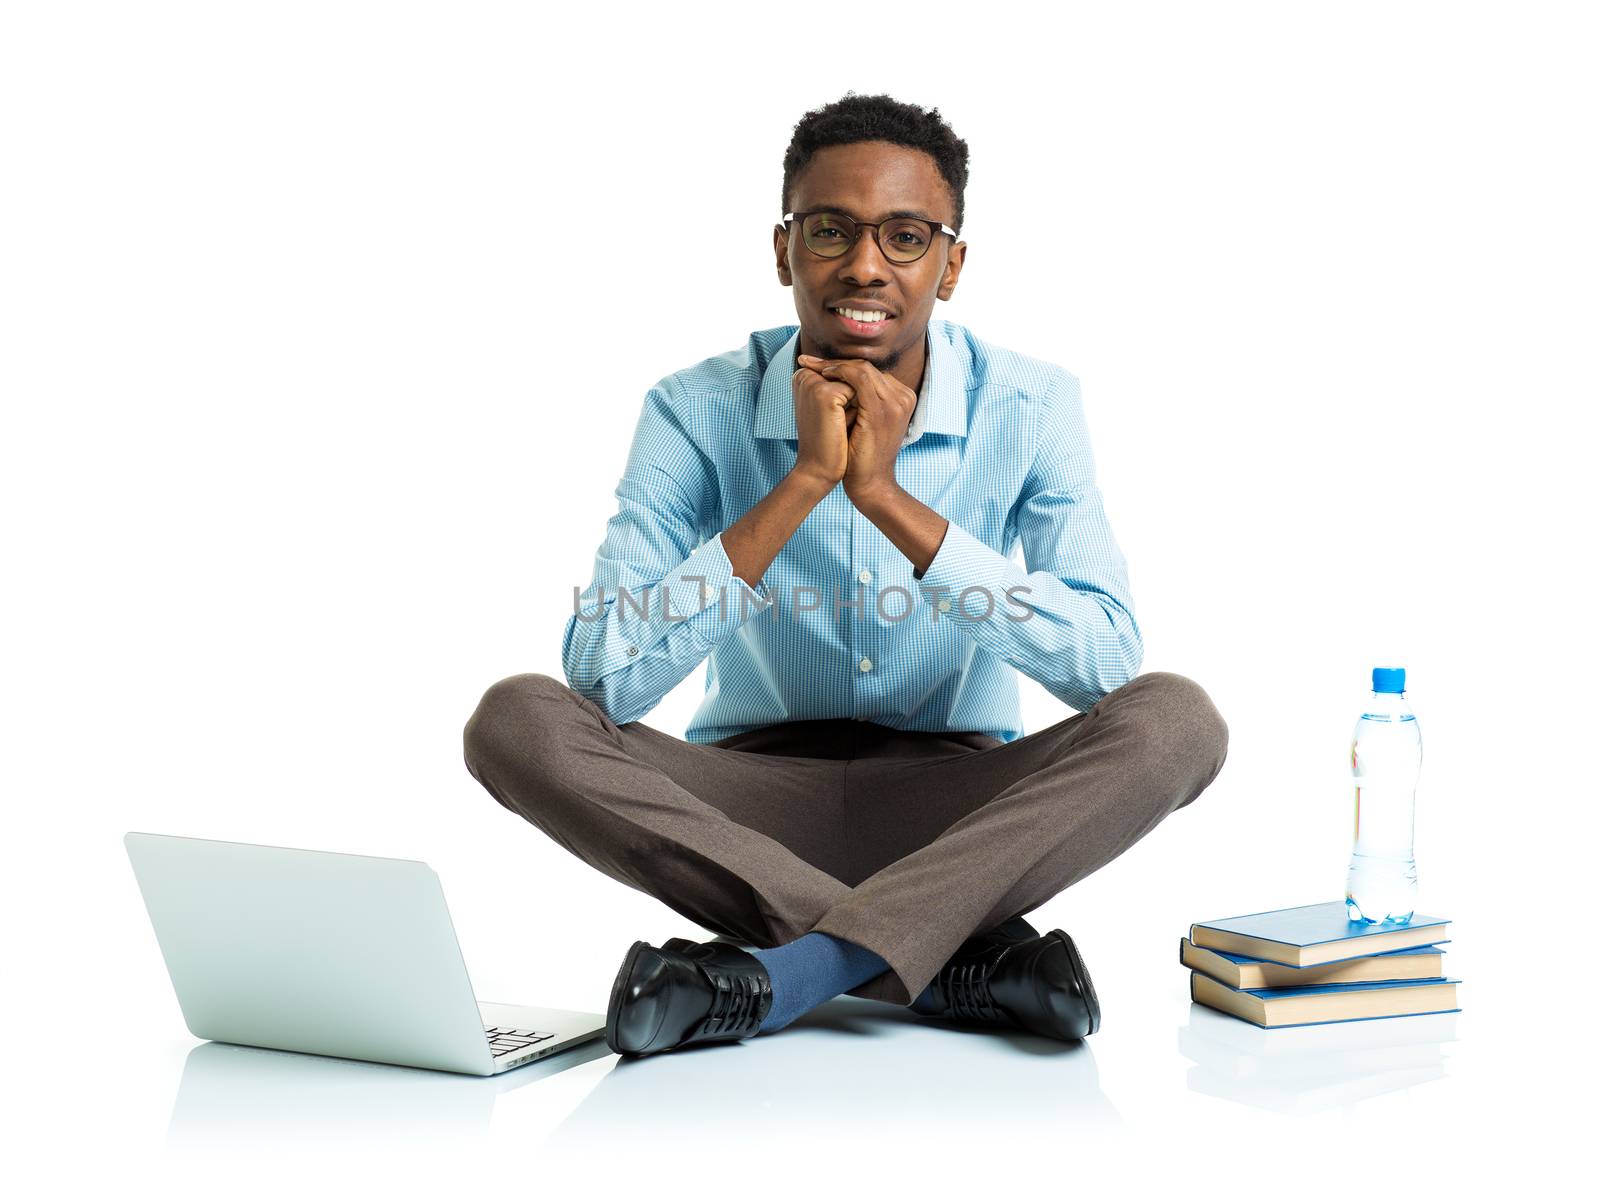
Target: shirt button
{"type": "Point", "coordinates": [944, 605]}
{"type": "Point", "coordinates": [865, 576]}
{"type": "Point", "coordinates": [633, 650]}
{"type": "Point", "coordinates": [866, 664]}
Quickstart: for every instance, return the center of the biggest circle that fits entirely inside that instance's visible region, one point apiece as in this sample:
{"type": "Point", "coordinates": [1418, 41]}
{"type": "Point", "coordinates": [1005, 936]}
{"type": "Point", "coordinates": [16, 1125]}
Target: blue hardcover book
{"type": "Point", "coordinates": [1298, 1006]}
{"type": "Point", "coordinates": [1251, 973]}
{"type": "Point", "coordinates": [1313, 935]}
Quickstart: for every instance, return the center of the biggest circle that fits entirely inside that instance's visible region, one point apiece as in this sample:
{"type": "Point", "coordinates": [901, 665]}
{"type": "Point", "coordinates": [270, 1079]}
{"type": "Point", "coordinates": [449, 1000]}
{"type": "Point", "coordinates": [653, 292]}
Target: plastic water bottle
{"type": "Point", "coordinates": [1385, 758]}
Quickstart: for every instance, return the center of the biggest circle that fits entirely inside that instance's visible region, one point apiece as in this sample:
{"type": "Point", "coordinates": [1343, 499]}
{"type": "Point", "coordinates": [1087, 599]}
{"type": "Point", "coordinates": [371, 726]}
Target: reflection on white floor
{"type": "Point", "coordinates": [1299, 1070]}
{"type": "Point", "coordinates": [851, 1067]}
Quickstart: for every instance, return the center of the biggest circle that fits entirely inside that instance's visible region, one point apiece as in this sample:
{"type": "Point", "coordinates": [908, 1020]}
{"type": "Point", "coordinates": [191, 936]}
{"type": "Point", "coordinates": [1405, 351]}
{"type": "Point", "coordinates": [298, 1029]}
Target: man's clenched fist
{"type": "Point", "coordinates": [881, 405]}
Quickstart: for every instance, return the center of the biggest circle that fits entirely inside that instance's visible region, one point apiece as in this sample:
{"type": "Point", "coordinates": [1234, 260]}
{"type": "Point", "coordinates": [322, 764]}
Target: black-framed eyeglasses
{"type": "Point", "coordinates": [903, 239]}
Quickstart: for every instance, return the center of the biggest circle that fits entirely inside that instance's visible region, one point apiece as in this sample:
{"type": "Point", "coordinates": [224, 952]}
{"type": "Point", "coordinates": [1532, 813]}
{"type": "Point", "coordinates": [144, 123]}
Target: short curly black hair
{"type": "Point", "coordinates": [879, 118]}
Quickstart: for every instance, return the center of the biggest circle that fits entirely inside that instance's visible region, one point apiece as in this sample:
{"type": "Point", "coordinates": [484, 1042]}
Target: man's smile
{"type": "Point", "coordinates": [865, 323]}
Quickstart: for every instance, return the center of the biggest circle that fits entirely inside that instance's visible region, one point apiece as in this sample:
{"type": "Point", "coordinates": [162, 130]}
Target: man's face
{"type": "Point", "coordinates": [868, 181]}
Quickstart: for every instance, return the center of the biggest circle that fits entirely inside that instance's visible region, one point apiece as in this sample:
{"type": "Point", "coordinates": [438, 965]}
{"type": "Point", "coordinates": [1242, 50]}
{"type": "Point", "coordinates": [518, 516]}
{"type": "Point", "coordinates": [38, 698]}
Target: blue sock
{"type": "Point", "coordinates": [809, 971]}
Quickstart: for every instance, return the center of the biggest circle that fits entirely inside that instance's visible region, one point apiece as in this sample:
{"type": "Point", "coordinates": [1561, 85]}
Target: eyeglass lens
{"type": "Point", "coordinates": [830, 234]}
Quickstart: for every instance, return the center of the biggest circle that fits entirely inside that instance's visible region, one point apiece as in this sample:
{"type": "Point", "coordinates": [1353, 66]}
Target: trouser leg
{"type": "Point", "coordinates": [970, 839]}
{"type": "Point", "coordinates": [740, 843]}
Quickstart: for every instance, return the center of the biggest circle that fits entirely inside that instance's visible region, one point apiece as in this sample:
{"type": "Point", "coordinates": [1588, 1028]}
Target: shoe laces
{"type": "Point", "coordinates": [735, 1005]}
{"type": "Point", "coordinates": [966, 991]}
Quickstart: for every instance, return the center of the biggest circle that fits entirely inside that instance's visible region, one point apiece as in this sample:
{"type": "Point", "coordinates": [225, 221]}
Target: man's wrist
{"type": "Point", "coordinates": [875, 498]}
{"type": "Point", "coordinates": [809, 487]}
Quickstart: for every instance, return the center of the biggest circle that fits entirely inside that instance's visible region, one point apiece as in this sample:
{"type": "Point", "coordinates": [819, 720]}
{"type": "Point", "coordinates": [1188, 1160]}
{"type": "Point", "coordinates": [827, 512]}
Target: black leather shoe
{"type": "Point", "coordinates": [665, 998]}
{"type": "Point", "coordinates": [1038, 984]}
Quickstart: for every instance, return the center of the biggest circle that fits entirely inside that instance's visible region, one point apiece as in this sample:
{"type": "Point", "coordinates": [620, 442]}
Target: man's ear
{"type": "Point", "coordinates": [952, 270]}
{"type": "Point", "coordinates": [780, 246]}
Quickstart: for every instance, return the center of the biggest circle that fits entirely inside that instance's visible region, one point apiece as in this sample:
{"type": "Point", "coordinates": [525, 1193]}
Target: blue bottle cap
{"type": "Point", "coordinates": [1389, 682]}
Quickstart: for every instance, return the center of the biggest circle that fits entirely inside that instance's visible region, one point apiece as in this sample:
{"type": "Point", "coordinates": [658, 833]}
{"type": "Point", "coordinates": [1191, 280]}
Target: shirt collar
{"type": "Point", "coordinates": [941, 404]}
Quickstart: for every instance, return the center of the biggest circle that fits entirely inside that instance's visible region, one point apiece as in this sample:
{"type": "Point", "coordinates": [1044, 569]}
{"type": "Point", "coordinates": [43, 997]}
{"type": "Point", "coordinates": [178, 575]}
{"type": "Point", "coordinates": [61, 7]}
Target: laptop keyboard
{"type": "Point", "coordinates": [503, 1040]}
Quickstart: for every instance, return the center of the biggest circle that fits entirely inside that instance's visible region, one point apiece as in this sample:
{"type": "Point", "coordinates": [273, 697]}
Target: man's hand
{"type": "Point", "coordinates": [823, 415]}
{"type": "Point", "coordinates": [882, 407]}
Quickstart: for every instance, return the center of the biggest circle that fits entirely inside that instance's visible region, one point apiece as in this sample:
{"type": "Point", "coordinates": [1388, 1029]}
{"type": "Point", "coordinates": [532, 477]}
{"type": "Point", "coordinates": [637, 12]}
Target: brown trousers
{"type": "Point", "coordinates": [904, 842]}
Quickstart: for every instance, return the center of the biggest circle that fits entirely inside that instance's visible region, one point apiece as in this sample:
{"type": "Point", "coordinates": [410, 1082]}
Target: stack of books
{"type": "Point", "coordinates": [1305, 965]}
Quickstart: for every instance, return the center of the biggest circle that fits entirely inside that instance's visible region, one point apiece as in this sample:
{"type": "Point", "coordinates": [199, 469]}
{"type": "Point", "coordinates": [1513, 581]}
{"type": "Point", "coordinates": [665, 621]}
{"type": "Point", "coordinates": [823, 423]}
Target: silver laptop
{"type": "Point", "coordinates": [330, 953]}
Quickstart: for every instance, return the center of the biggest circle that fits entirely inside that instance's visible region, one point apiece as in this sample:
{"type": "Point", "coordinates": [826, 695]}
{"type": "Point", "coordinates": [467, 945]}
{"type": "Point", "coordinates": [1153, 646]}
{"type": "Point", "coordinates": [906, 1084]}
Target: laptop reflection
{"type": "Point", "coordinates": [231, 1093]}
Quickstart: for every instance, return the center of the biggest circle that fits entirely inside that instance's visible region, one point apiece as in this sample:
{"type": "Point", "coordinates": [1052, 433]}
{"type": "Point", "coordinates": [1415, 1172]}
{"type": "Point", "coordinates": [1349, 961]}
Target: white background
{"type": "Point", "coordinates": [323, 332]}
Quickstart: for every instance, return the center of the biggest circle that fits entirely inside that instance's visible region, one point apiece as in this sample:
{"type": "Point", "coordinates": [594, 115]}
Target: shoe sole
{"type": "Point", "coordinates": [614, 1007]}
{"type": "Point", "coordinates": [1085, 983]}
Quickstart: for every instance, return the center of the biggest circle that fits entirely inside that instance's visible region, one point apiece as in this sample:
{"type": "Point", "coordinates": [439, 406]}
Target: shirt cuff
{"type": "Point", "coordinates": [967, 579]}
{"type": "Point", "coordinates": [700, 598]}
{"type": "Point", "coordinates": [964, 561]}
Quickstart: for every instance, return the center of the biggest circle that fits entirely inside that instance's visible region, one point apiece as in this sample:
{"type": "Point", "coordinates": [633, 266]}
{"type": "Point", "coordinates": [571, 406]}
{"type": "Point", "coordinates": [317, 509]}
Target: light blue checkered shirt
{"type": "Point", "coordinates": [997, 445]}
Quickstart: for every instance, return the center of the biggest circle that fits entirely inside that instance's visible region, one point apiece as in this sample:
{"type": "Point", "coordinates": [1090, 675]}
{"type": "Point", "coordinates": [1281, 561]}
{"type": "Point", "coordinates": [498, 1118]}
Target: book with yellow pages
{"type": "Point", "coordinates": [1297, 1006]}
{"type": "Point", "coordinates": [1249, 973]}
{"type": "Point", "coordinates": [1313, 935]}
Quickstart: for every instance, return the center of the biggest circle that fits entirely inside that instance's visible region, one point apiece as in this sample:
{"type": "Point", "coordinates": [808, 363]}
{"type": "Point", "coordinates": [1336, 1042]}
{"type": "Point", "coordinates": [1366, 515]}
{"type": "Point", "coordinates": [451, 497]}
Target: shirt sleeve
{"type": "Point", "coordinates": [1067, 621]}
{"type": "Point", "coordinates": [660, 598]}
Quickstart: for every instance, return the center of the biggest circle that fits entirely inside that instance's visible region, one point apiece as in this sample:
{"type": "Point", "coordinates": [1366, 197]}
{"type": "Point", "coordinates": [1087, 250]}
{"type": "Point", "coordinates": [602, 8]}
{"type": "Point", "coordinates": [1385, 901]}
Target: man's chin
{"type": "Point", "coordinates": [828, 350]}
{"type": "Point", "coordinates": [880, 356]}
